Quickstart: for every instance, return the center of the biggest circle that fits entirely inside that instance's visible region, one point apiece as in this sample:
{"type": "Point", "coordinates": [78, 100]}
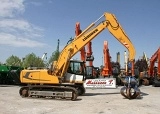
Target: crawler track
{"type": "Point", "coordinates": [52, 92]}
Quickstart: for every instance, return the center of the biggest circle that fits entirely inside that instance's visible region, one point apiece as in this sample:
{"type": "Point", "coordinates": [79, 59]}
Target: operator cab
{"type": "Point", "coordinates": [89, 72]}
{"type": "Point", "coordinates": [92, 72]}
{"type": "Point", "coordinates": [76, 72]}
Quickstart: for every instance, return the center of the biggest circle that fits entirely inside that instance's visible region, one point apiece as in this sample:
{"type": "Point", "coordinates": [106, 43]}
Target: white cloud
{"type": "Point", "coordinates": [12, 40]}
{"type": "Point", "coordinates": [14, 31]}
{"type": "Point", "coordinates": [20, 26]}
{"type": "Point", "coordinates": [15, 23]}
{"type": "Point", "coordinates": [10, 8]}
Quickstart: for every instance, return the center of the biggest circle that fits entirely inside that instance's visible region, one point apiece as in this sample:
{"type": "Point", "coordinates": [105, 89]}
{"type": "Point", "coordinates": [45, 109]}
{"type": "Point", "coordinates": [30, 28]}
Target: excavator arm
{"type": "Point", "coordinates": [89, 34]}
{"type": "Point", "coordinates": [107, 69]}
{"type": "Point", "coordinates": [153, 59]}
{"type": "Point", "coordinates": [154, 72]}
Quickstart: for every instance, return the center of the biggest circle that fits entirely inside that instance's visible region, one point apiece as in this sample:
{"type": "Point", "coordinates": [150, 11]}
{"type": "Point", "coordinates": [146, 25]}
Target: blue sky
{"type": "Point", "coordinates": [28, 26]}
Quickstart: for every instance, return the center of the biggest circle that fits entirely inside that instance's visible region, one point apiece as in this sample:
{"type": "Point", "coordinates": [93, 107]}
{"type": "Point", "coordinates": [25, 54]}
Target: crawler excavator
{"type": "Point", "coordinates": [154, 71]}
{"type": "Point", "coordinates": [65, 79]}
{"type": "Point", "coordinates": [149, 73]}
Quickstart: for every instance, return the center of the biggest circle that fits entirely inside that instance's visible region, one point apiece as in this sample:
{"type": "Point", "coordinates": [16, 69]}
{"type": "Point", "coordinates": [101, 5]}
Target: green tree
{"type": "Point", "coordinates": [14, 61]}
{"type": "Point", "coordinates": [31, 60]}
{"type": "Point", "coordinates": [54, 56]}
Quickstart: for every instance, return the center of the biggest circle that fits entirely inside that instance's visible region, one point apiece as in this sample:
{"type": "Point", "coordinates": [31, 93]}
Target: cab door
{"type": "Point", "coordinates": [75, 72]}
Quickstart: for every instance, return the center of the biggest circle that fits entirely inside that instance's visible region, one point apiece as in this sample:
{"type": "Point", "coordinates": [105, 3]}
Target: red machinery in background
{"type": "Point", "coordinates": [149, 73]}
{"type": "Point", "coordinates": [110, 68]}
{"type": "Point", "coordinates": [89, 56]}
{"type": "Point", "coordinates": [82, 51]}
{"type": "Point", "coordinates": [155, 57]}
{"type": "Point", "coordinates": [92, 72]}
{"type": "Point", "coordinates": [154, 71]}
{"type": "Point", "coordinates": [107, 68]}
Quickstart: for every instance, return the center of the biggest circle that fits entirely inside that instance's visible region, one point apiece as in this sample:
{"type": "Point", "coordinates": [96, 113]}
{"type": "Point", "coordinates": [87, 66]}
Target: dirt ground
{"type": "Point", "coordinates": [95, 101]}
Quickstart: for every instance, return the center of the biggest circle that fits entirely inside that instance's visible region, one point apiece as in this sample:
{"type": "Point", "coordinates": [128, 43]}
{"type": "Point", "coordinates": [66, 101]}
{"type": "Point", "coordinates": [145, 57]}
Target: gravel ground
{"type": "Point", "coordinates": [95, 101]}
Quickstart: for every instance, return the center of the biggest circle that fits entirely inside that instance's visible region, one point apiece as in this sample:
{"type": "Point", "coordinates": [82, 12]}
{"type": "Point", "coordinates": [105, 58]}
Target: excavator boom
{"type": "Point", "coordinates": [89, 34]}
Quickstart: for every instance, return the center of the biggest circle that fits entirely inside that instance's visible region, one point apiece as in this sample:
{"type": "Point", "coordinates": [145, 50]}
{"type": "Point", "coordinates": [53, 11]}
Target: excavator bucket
{"type": "Point", "coordinates": [130, 89]}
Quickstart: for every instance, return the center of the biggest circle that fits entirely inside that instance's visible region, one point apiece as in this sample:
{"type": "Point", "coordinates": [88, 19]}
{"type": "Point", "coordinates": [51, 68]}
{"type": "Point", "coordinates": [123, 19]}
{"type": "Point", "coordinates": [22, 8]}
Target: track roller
{"type": "Point", "coordinates": [24, 92]}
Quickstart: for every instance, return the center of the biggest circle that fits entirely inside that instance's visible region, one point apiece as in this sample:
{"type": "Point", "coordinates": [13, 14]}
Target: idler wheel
{"type": "Point", "coordinates": [74, 96]}
{"type": "Point", "coordinates": [24, 92]}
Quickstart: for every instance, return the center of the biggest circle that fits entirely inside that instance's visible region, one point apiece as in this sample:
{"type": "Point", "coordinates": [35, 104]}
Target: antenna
{"type": "Point", "coordinates": [58, 46]}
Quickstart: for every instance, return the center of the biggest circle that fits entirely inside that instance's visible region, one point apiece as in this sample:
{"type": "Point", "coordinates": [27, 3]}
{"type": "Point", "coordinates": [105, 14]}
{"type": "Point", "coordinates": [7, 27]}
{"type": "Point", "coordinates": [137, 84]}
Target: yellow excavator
{"type": "Point", "coordinates": [65, 78]}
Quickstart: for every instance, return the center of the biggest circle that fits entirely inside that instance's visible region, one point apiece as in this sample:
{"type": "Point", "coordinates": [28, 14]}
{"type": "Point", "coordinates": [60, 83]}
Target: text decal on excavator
{"type": "Point", "coordinates": [90, 34]}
